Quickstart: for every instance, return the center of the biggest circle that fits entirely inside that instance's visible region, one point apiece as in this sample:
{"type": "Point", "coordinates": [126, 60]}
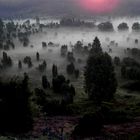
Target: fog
{"type": "Point", "coordinates": [68, 36]}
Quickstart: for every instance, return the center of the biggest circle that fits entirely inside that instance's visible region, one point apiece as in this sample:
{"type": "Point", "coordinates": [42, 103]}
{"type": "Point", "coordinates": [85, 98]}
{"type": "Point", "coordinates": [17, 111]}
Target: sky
{"type": "Point", "coordinates": [68, 7]}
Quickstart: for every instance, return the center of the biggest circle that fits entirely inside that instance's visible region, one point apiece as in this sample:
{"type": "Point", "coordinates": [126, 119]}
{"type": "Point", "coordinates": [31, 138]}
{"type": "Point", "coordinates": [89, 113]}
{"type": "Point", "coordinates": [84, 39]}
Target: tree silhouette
{"type": "Point", "coordinates": [6, 60]}
{"type": "Point", "coordinates": [15, 107]}
{"type": "Point", "coordinates": [54, 71]}
{"type": "Point", "coordinates": [96, 46]}
{"type": "Point", "coordinates": [19, 64]}
{"type": "Point", "coordinates": [1, 30]}
{"type": "Point", "coordinates": [70, 69]}
{"type": "Point", "coordinates": [37, 56]}
{"type": "Point", "coordinates": [100, 81]}
{"type": "Point", "coordinates": [45, 82]}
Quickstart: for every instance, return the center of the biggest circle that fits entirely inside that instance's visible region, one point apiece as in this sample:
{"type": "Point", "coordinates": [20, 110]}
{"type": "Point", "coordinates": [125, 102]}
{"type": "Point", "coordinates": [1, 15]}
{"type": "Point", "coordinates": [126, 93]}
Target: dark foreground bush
{"type": "Point", "coordinates": [132, 86]}
{"type": "Point", "coordinates": [113, 115]}
{"type": "Point", "coordinates": [90, 125]}
{"type": "Point", "coordinates": [15, 114]}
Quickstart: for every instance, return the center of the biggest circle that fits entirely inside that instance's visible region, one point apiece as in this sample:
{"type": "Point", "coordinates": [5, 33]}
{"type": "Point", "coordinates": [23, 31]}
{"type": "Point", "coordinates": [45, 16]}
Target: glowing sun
{"type": "Point", "coordinates": [99, 6]}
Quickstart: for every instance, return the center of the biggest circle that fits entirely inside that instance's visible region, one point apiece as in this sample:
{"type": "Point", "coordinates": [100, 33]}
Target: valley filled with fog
{"type": "Point", "coordinates": [68, 36]}
{"type": "Point", "coordinates": [70, 78]}
{"type": "Point", "coordinates": [69, 69]}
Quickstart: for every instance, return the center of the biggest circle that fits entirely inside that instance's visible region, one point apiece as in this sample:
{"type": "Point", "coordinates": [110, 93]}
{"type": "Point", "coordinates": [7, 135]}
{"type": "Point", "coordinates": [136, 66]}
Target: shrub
{"type": "Point", "coordinates": [90, 125]}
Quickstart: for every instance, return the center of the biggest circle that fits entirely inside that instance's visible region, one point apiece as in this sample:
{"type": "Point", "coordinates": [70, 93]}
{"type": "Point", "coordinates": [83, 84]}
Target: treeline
{"type": "Point", "coordinates": [103, 26]}
{"type": "Point", "coordinates": [9, 31]}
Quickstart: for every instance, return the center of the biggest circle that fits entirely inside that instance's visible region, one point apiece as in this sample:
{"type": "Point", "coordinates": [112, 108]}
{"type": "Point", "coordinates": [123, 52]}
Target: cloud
{"type": "Point", "coordinates": [59, 7]}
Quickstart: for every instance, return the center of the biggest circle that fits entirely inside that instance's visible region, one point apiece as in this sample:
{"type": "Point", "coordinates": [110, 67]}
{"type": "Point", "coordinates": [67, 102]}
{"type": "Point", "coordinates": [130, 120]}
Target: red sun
{"type": "Point", "coordinates": [99, 6]}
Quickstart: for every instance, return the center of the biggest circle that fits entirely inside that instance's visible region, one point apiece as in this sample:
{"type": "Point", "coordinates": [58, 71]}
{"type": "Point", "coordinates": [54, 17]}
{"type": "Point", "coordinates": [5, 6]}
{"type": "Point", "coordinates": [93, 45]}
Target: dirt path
{"type": "Point", "coordinates": [126, 128]}
{"type": "Point", "coordinates": [57, 125]}
{"type": "Point", "coordinates": [54, 126]}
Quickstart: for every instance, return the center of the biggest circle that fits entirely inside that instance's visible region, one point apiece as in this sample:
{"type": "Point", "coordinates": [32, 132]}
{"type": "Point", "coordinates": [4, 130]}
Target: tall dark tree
{"type": "Point", "coordinates": [30, 64]}
{"type": "Point", "coordinates": [57, 83]}
{"type": "Point", "coordinates": [70, 57]}
{"type": "Point", "coordinates": [25, 41]}
{"type": "Point", "coordinates": [6, 60]}
{"type": "Point", "coordinates": [19, 64]}
{"type": "Point", "coordinates": [72, 89]}
{"type": "Point", "coordinates": [37, 56]}
{"type": "Point", "coordinates": [100, 81]}
{"type": "Point", "coordinates": [1, 30]}
{"type": "Point", "coordinates": [78, 48]}
{"type": "Point", "coordinates": [70, 68]}
{"type": "Point", "coordinates": [25, 81]}
{"type": "Point", "coordinates": [64, 50]}
{"type": "Point", "coordinates": [45, 82]}
{"type": "Point", "coordinates": [68, 92]}
{"type": "Point", "coordinates": [117, 61]}
{"type": "Point", "coordinates": [54, 71]}
{"type": "Point", "coordinates": [77, 73]}
{"type": "Point", "coordinates": [42, 67]}
{"type": "Point", "coordinates": [96, 46]}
